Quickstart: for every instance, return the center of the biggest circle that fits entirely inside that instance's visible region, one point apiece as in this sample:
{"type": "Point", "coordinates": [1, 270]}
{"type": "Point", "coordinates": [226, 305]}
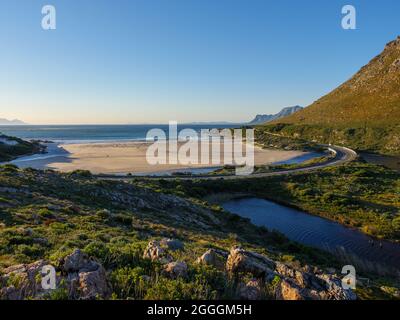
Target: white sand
{"type": "Point", "coordinates": [130, 157]}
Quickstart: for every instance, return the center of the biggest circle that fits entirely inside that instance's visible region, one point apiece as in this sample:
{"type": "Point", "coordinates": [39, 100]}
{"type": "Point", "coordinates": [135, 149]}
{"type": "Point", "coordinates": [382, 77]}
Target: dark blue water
{"type": "Point", "coordinates": [314, 231]}
{"type": "Point", "coordinates": [96, 133]}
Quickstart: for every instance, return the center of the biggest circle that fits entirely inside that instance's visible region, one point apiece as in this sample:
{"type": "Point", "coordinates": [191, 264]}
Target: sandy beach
{"type": "Point", "coordinates": [126, 157]}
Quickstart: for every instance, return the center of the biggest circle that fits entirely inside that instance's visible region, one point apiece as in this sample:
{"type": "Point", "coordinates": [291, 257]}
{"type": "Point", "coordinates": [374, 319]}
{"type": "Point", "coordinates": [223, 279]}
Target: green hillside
{"type": "Point", "coordinates": [363, 112]}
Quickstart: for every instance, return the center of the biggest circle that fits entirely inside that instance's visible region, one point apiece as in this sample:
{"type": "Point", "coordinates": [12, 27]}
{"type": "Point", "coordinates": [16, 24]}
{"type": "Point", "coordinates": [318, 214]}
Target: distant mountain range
{"type": "Point", "coordinates": [11, 122]}
{"type": "Point", "coordinates": [263, 118]}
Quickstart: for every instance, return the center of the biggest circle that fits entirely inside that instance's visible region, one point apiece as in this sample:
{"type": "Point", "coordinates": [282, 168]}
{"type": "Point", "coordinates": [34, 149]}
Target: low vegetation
{"type": "Point", "coordinates": [230, 170]}
{"type": "Point", "coordinates": [359, 195]}
{"type": "Point", "coordinates": [384, 140]}
{"type": "Point", "coordinates": [267, 137]}
{"type": "Point", "coordinates": [46, 215]}
{"type": "Point", "coordinates": [11, 147]}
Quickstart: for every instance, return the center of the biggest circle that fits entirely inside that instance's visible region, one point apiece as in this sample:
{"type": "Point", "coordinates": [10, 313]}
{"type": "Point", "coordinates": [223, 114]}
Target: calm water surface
{"type": "Point", "coordinates": [314, 231]}
{"type": "Point", "coordinates": [95, 133]}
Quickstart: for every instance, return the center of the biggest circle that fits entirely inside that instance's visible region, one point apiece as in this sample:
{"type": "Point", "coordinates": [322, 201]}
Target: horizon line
{"type": "Point", "coordinates": [120, 124]}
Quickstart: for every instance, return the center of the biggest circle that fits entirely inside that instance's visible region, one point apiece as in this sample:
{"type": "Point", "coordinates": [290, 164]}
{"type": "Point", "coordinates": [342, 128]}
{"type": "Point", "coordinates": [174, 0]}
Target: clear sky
{"type": "Point", "coordinates": [150, 61]}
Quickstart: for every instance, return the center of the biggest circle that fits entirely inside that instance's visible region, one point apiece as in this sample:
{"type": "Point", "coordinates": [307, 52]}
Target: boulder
{"type": "Point", "coordinates": [86, 277]}
{"type": "Point", "coordinates": [155, 252]}
{"type": "Point", "coordinates": [78, 261]}
{"type": "Point", "coordinates": [252, 290]}
{"type": "Point", "coordinates": [240, 260]}
{"type": "Point", "coordinates": [302, 279]}
{"type": "Point", "coordinates": [334, 290]}
{"type": "Point", "coordinates": [175, 270]}
{"type": "Point", "coordinates": [21, 281]}
{"type": "Point", "coordinates": [287, 290]}
{"type": "Point", "coordinates": [213, 257]}
{"type": "Point", "coordinates": [172, 244]}
{"type": "Point", "coordinates": [94, 284]}
{"type": "Point", "coordinates": [300, 285]}
{"type": "Point", "coordinates": [73, 285]}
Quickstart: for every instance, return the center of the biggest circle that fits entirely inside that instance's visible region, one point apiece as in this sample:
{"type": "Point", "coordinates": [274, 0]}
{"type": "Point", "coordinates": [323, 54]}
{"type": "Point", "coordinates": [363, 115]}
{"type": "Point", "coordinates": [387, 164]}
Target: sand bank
{"type": "Point", "coordinates": [128, 157]}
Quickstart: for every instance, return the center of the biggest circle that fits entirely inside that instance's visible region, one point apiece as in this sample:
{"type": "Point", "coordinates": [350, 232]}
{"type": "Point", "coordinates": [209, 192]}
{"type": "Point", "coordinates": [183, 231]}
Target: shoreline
{"type": "Point", "coordinates": [123, 157]}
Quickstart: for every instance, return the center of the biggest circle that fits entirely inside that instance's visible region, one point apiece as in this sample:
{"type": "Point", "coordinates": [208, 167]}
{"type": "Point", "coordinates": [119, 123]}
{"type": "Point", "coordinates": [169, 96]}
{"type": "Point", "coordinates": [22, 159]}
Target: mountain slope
{"type": "Point", "coordinates": [371, 97]}
{"type": "Point", "coordinates": [362, 113]}
{"type": "Point", "coordinates": [263, 118]}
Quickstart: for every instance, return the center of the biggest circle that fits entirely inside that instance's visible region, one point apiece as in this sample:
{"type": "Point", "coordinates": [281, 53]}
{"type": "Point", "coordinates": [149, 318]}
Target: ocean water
{"type": "Point", "coordinates": [96, 133]}
{"type": "Point", "coordinates": [69, 134]}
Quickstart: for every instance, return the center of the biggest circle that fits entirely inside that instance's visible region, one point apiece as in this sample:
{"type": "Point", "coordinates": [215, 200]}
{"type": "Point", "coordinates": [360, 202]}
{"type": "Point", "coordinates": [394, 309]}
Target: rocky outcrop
{"type": "Point", "coordinates": [298, 284]}
{"type": "Point", "coordinates": [252, 290]}
{"type": "Point", "coordinates": [172, 244]}
{"type": "Point", "coordinates": [93, 284]}
{"type": "Point", "coordinates": [155, 252]}
{"type": "Point", "coordinates": [213, 257]}
{"type": "Point", "coordinates": [82, 277]}
{"type": "Point", "coordinates": [175, 270]}
{"type": "Point", "coordinates": [301, 279]}
{"type": "Point", "coordinates": [21, 281]}
{"type": "Point", "coordinates": [78, 261]}
{"type": "Point", "coordinates": [86, 277]}
{"type": "Point", "coordinates": [304, 283]}
{"type": "Point", "coordinates": [334, 290]}
{"type": "Point", "coordinates": [240, 260]}
{"type": "Point", "coordinates": [159, 251]}
{"type": "Point", "coordinates": [288, 290]}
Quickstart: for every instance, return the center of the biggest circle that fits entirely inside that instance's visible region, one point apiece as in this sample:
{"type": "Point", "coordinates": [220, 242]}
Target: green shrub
{"type": "Point", "coordinates": [129, 282]}
{"type": "Point", "coordinates": [123, 219]}
{"type": "Point", "coordinates": [167, 289]}
{"type": "Point", "coordinates": [80, 174]}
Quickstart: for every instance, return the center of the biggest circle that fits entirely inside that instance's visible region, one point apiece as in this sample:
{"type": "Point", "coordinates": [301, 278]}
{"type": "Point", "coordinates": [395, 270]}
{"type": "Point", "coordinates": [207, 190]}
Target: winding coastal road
{"type": "Point", "coordinates": [342, 155]}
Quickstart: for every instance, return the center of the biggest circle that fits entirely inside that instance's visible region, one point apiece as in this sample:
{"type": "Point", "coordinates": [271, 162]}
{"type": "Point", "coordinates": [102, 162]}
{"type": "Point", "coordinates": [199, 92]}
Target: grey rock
{"type": "Point", "coordinates": [155, 252]}
{"type": "Point", "coordinates": [297, 284]}
{"type": "Point", "coordinates": [172, 244]}
{"type": "Point", "coordinates": [240, 260]}
{"type": "Point", "coordinates": [24, 281]}
{"type": "Point", "coordinates": [94, 284]}
{"type": "Point", "coordinates": [79, 261]}
{"type": "Point", "coordinates": [252, 290]}
{"type": "Point", "coordinates": [213, 257]}
{"type": "Point", "coordinates": [176, 269]}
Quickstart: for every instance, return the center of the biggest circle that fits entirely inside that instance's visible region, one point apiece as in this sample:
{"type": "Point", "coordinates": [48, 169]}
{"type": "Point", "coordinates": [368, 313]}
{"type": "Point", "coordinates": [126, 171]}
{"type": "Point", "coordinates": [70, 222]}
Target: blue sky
{"type": "Point", "coordinates": [151, 61]}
